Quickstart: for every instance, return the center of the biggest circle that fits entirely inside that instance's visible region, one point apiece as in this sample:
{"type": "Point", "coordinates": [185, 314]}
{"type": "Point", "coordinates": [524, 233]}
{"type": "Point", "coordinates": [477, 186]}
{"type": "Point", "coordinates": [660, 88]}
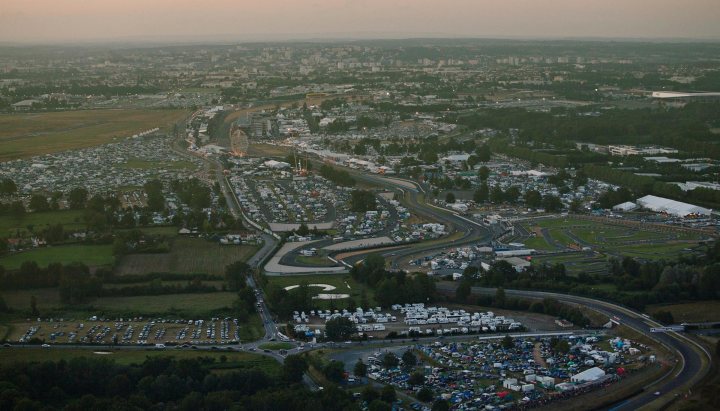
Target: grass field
{"type": "Point", "coordinates": [188, 305]}
{"type": "Point", "coordinates": [186, 256]}
{"type": "Point", "coordinates": [91, 255]}
{"type": "Point", "coordinates": [234, 359]}
{"type": "Point", "coordinates": [343, 283]}
{"type": "Point", "coordinates": [196, 304]}
{"type": "Point", "coordinates": [606, 239]}
{"type": "Point", "coordinates": [26, 135]}
{"type": "Point", "coordinates": [275, 346]}
{"type": "Point", "coordinates": [698, 311]}
{"type": "Point", "coordinates": [11, 226]}
{"type": "Point", "coordinates": [316, 260]}
{"type": "Point", "coordinates": [268, 150]}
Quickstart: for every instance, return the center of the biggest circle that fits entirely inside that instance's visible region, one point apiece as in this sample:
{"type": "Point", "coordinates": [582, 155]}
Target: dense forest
{"type": "Point", "coordinates": [160, 383]}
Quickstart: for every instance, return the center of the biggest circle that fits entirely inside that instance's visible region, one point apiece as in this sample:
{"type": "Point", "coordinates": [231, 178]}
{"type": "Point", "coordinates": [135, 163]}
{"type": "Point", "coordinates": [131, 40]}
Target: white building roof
{"type": "Point", "coordinates": [456, 157]}
{"type": "Point", "coordinates": [590, 374]}
{"type": "Point", "coordinates": [626, 206]}
{"type": "Point", "coordinates": [676, 208]}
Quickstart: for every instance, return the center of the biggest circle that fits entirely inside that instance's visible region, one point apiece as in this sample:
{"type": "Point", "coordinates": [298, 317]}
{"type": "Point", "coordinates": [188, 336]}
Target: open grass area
{"type": "Point", "coordinates": [607, 239]}
{"type": "Point", "coordinates": [169, 231]}
{"type": "Point", "coordinates": [234, 359]}
{"type": "Point", "coordinates": [187, 256]}
{"type": "Point", "coordinates": [315, 260]}
{"type": "Point", "coordinates": [343, 283]}
{"type": "Point", "coordinates": [275, 346]}
{"type": "Point", "coordinates": [26, 135]}
{"type": "Point", "coordinates": [178, 304]}
{"type": "Point", "coordinates": [190, 305]}
{"type": "Point", "coordinates": [268, 150]}
{"type": "Point", "coordinates": [697, 311]}
{"type": "Point", "coordinates": [91, 255]}
{"type": "Point", "coordinates": [11, 226]}
{"type": "Point", "coordinates": [538, 243]}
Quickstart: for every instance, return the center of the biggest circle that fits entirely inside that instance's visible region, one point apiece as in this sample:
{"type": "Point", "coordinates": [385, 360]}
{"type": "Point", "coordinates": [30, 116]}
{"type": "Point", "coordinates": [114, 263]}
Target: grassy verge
{"type": "Point", "coordinates": [697, 311]}
{"type": "Point", "coordinates": [91, 255]}
{"type": "Point", "coordinates": [11, 226]}
{"type": "Point", "coordinates": [275, 346]}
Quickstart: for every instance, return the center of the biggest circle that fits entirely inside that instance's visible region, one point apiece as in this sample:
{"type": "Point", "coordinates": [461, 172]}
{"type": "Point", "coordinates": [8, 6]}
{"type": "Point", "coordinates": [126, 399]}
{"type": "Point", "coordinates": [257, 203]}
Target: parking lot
{"type": "Point", "coordinates": [128, 331]}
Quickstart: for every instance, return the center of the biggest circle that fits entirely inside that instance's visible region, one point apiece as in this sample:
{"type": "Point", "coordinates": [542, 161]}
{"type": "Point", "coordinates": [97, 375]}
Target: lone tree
{"type": "Point", "coordinates": [409, 359]}
{"type": "Point", "coordinates": [78, 197]}
{"type": "Point", "coordinates": [390, 360]}
{"type": "Point", "coordinates": [7, 187]}
{"type": "Point", "coordinates": [360, 368]}
{"type": "Point", "coordinates": [425, 394]}
{"type": "Point", "coordinates": [450, 198]}
{"type": "Point", "coordinates": [507, 342]}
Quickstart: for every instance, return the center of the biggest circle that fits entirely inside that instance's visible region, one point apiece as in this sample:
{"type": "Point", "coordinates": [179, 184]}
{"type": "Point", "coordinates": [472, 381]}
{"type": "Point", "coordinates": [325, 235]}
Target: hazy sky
{"type": "Point", "coordinates": [183, 20]}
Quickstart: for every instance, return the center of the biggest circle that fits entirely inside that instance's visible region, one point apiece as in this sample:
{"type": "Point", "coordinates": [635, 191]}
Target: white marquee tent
{"type": "Point", "coordinates": [672, 207]}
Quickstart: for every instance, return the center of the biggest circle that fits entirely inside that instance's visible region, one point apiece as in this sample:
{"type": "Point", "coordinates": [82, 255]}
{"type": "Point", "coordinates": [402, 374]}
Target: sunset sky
{"type": "Point", "coordinates": [236, 20]}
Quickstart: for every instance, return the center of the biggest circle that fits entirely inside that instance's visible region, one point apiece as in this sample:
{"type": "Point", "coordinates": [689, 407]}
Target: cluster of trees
{"type": "Point", "coordinates": [339, 177]}
{"type": "Point", "coordinates": [637, 283]}
{"type": "Point", "coordinates": [78, 286]}
{"type": "Point", "coordinates": [155, 196]}
{"type": "Point", "coordinates": [284, 302]}
{"type": "Point", "coordinates": [549, 306]}
{"type": "Point", "coordinates": [192, 192]}
{"type": "Point", "coordinates": [7, 187]}
{"type": "Point", "coordinates": [393, 287]}
{"type": "Point", "coordinates": [362, 201]}
{"type": "Point", "coordinates": [236, 275]}
{"type": "Point", "coordinates": [160, 382]}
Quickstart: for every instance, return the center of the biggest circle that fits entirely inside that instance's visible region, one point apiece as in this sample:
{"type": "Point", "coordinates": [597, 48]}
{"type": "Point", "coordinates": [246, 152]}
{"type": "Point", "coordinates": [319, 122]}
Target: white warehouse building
{"type": "Point", "coordinates": [672, 207]}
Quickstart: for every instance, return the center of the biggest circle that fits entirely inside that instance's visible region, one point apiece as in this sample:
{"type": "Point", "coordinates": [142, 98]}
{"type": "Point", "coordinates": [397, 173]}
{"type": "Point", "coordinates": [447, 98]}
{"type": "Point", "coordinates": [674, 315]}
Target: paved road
{"type": "Point", "coordinates": [472, 231]}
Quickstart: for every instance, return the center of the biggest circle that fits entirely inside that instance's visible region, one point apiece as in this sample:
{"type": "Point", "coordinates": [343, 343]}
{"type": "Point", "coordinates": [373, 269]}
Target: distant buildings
{"type": "Point", "coordinates": [623, 150]}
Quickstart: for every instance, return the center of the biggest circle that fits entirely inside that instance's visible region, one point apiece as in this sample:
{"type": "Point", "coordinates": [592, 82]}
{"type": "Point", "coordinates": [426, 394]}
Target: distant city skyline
{"type": "Point", "coordinates": [58, 21]}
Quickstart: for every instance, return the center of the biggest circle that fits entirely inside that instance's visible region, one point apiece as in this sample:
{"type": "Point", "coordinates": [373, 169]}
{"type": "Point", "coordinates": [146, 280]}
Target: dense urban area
{"type": "Point", "coordinates": [361, 225]}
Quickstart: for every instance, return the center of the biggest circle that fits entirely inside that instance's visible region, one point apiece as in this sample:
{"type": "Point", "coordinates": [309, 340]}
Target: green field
{"type": "Point", "coordinates": [187, 256]}
{"type": "Point", "coordinates": [315, 260]}
{"type": "Point", "coordinates": [11, 226]}
{"type": "Point", "coordinates": [607, 240]}
{"type": "Point", "coordinates": [275, 346]}
{"type": "Point", "coordinates": [234, 359]}
{"type": "Point", "coordinates": [26, 135]}
{"type": "Point", "coordinates": [48, 299]}
{"type": "Point", "coordinates": [91, 255]}
{"type": "Point", "coordinates": [698, 311]}
{"type": "Point", "coordinates": [343, 283]}
{"type": "Point", "coordinates": [178, 304]}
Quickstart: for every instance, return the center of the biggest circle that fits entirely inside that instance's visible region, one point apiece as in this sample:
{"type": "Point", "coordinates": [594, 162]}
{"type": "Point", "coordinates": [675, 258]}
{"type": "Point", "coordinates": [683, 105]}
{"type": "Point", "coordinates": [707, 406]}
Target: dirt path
{"type": "Point", "coordinates": [539, 360]}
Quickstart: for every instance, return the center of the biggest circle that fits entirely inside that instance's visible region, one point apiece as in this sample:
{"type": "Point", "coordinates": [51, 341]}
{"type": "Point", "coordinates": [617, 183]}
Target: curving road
{"type": "Point", "coordinates": [691, 354]}
{"type": "Point", "coordinates": [472, 232]}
